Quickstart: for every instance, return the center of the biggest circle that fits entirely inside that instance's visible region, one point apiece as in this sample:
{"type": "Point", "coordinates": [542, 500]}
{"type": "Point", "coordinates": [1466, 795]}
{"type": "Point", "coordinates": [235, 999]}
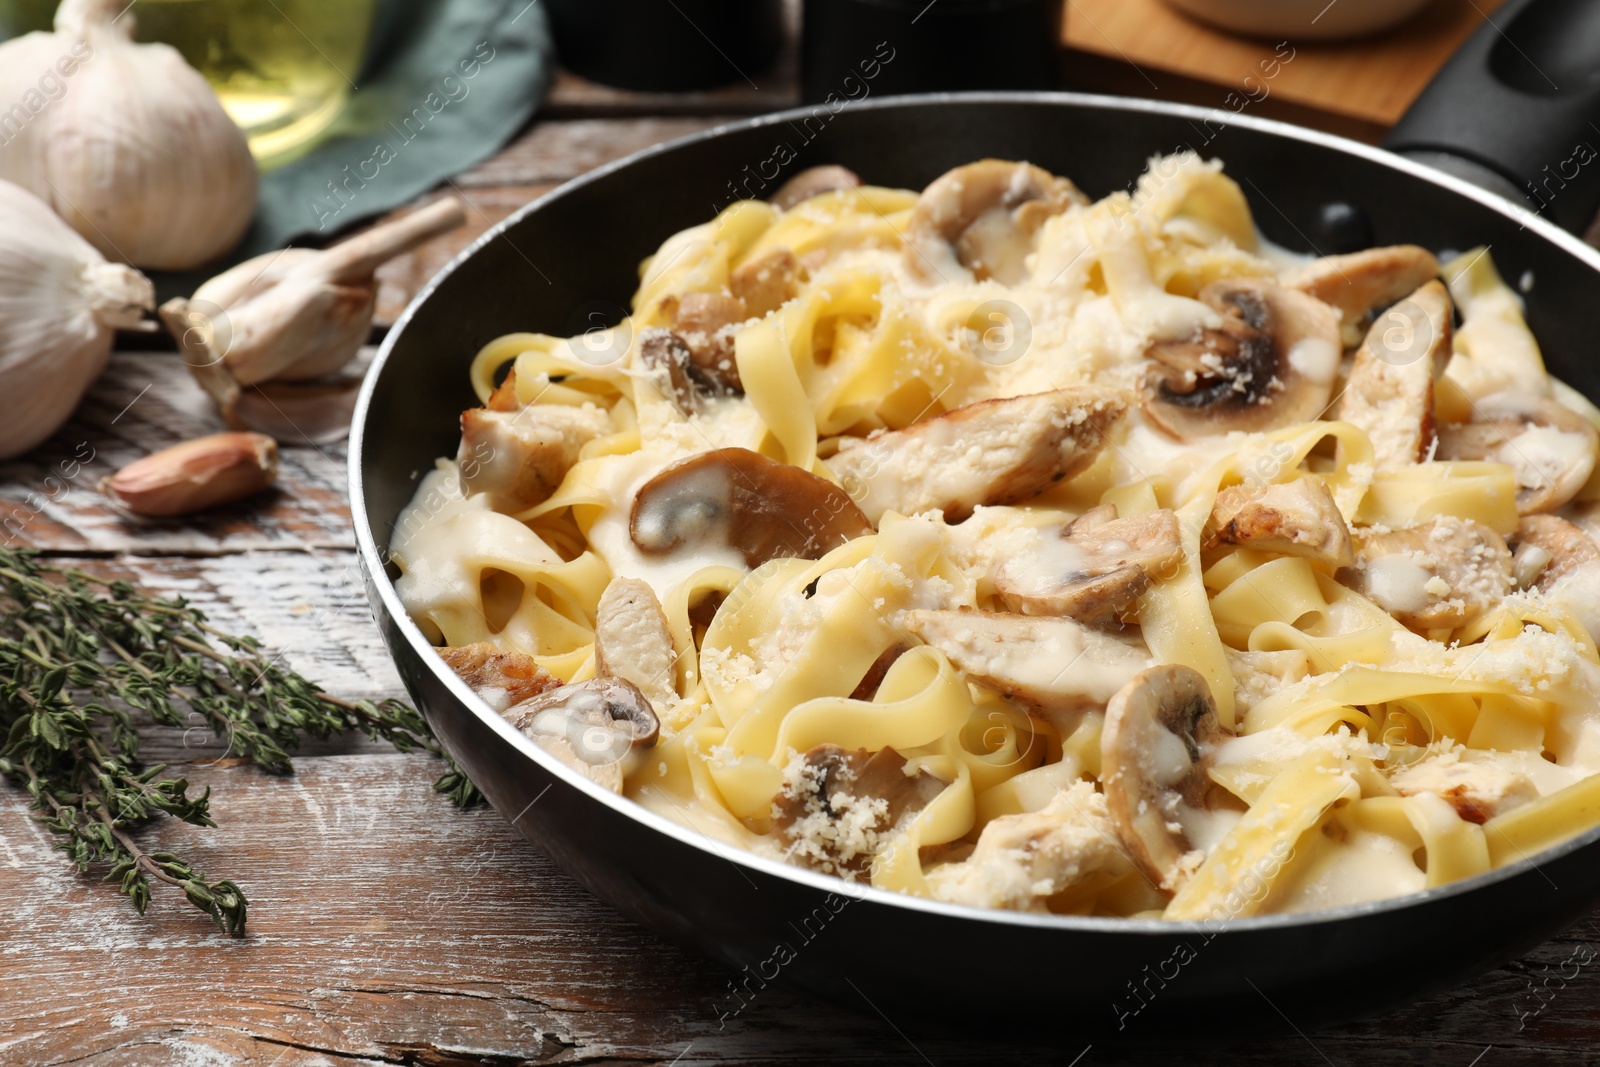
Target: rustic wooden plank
{"type": "Point", "coordinates": [143, 402]}
{"type": "Point", "coordinates": [387, 927]}
{"type": "Point", "coordinates": [556, 150]}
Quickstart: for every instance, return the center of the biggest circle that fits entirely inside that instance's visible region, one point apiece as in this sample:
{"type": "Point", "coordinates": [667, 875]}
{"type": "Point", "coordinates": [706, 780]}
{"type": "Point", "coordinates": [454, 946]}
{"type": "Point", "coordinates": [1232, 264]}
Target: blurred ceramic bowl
{"type": "Point", "coordinates": [1302, 20]}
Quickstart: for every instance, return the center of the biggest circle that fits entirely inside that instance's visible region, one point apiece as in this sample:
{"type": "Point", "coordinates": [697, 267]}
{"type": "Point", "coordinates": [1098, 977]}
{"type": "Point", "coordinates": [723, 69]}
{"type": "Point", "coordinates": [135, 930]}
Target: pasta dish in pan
{"type": "Point", "coordinates": [1011, 549]}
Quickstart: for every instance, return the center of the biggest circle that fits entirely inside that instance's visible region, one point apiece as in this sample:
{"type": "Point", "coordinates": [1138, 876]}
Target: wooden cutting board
{"type": "Point", "coordinates": [1356, 88]}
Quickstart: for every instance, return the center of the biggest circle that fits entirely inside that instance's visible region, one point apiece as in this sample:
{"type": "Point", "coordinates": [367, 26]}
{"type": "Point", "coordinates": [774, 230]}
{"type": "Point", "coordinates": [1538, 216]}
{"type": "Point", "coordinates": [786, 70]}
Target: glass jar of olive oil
{"type": "Point", "coordinates": [282, 69]}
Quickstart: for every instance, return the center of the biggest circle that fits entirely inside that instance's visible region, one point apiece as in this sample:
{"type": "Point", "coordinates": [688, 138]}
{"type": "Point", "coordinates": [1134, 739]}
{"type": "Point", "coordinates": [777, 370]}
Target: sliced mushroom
{"type": "Point", "coordinates": [707, 323]}
{"type": "Point", "coordinates": [1390, 390]}
{"type": "Point", "coordinates": [982, 218]}
{"type": "Point", "coordinates": [632, 641]}
{"type": "Point", "coordinates": [1271, 363]}
{"type": "Point", "coordinates": [1022, 861]}
{"type": "Point", "coordinates": [519, 457]}
{"type": "Point", "coordinates": [837, 808]}
{"type": "Point", "coordinates": [1436, 575]}
{"type": "Point", "coordinates": [667, 356]}
{"type": "Point", "coordinates": [500, 678]}
{"type": "Point", "coordinates": [1050, 662]}
{"type": "Point", "coordinates": [1092, 571]}
{"type": "Point", "coordinates": [867, 688]}
{"type": "Point", "coordinates": [1551, 448]}
{"type": "Point", "coordinates": [992, 452]}
{"type": "Point", "coordinates": [1362, 282]}
{"type": "Point", "coordinates": [599, 728]}
{"type": "Point", "coordinates": [1297, 518]}
{"type": "Point", "coordinates": [1561, 561]}
{"type": "Point", "coordinates": [1477, 791]}
{"type": "Point", "coordinates": [1160, 735]}
{"type": "Point", "coordinates": [768, 281]}
{"type": "Point", "coordinates": [814, 181]}
{"type": "Point", "coordinates": [736, 498]}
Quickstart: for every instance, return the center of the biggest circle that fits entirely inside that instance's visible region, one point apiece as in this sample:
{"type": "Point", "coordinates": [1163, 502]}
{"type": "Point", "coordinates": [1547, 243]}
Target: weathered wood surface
{"type": "Point", "coordinates": [388, 928]}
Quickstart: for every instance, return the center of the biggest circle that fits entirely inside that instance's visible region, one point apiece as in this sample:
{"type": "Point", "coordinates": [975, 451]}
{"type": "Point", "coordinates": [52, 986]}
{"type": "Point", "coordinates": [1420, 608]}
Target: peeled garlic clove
{"type": "Point", "coordinates": [60, 306]}
{"type": "Point", "coordinates": [131, 146]}
{"type": "Point", "coordinates": [296, 315]}
{"type": "Point", "coordinates": [195, 475]}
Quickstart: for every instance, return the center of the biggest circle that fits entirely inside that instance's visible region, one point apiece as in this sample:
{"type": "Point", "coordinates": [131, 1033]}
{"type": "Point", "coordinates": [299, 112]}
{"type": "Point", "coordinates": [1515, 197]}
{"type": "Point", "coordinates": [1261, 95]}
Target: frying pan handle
{"type": "Point", "coordinates": [1517, 109]}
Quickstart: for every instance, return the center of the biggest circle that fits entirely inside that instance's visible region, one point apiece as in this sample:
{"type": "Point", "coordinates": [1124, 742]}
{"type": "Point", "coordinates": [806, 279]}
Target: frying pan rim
{"type": "Point", "coordinates": [373, 561]}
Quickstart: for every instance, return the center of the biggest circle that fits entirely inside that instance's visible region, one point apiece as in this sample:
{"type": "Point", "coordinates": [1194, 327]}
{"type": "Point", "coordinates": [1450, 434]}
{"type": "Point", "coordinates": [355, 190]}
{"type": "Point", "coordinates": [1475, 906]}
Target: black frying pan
{"type": "Point", "coordinates": [552, 264]}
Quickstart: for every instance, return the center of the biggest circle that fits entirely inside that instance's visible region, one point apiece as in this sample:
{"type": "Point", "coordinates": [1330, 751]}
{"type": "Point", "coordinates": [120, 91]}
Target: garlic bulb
{"type": "Point", "coordinates": [261, 338]}
{"type": "Point", "coordinates": [125, 141]}
{"type": "Point", "coordinates": [60, 305]}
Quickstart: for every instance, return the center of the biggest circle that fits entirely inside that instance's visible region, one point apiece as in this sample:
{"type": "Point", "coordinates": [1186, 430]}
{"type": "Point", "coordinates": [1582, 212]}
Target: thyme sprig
{"type": "Point", "coordinates": [80, 655]}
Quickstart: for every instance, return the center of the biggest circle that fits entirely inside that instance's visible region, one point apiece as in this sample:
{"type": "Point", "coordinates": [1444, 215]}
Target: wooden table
{"type": "Point", "coordinates": [386, 927]}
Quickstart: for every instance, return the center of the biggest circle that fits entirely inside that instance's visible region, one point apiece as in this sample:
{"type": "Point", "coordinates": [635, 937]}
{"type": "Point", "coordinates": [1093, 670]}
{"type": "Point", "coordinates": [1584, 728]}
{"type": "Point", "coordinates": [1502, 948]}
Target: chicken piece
{"type": "Point", "coordinates": [1390, 390]}
{"type": "Point", "coordinates": [1053, 663]}
{"type": "Point", "coordinates": [518, 458]}
{"type": "Point", "coordinates": [837, 808]}
{"type": "Point", "coordinates": [992, 452]}
{"type": "Point", "coordinates": [767, 282]}
{"type": "Point", "coordinates": [1093, 569]}
{"type": "Point", "coordinates": [1437, 575]}
{"type": "Point", "coordinates": [1362, 282]}
{"type": "Point", "coordinates": [504, 397]}
{"type": "Point", "coordinates": [1258, 675]}
{"type": "Point", "coordinates": [632, 642]}
{"type": "Point", "coordinates": [1297, 518]}
{"type": "Point", "coordinates": [1021, 861]}
{"type": "Point", "coordinates": [501, 679]}
{"type": "Point", "coordinates": [1478, 791]}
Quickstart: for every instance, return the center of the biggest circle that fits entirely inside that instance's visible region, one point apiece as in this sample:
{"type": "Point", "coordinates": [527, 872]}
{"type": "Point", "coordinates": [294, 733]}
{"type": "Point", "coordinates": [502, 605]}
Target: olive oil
{"type": "Point", "coordinates": [282, 69]}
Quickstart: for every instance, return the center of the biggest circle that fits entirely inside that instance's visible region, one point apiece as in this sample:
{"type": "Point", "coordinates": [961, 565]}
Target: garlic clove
{"type": "Point", "coordinates": [60, 306]}
{"type": "Point", "coordinates": [197, 474]}
{"type": "Point", "coordinates": [315, 412]}
{"type": "Point", "coordinates": [293, 316]}
{"type": "Point", "coordinates": [135, 152]}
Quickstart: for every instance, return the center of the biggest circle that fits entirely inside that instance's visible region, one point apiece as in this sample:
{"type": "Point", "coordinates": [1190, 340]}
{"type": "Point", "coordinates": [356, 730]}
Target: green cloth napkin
{"type": "Point", "coordinates": [463, 77]}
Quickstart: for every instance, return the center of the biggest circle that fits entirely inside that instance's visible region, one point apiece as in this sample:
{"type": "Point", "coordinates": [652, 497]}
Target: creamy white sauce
{"type": "Point", "coordinates": [1399, 583]}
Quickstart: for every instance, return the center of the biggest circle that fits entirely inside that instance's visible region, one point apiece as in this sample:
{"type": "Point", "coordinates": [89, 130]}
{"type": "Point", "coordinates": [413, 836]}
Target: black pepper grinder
{"type": "Point", "coordinates": [851, 49]}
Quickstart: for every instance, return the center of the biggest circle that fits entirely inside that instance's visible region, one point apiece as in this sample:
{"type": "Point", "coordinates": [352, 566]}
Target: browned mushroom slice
{"type": "Point", "coordinates": [1390, 390]}
{"type": "Point", "coordinates": [632, 641]}
{"type": "Point", "coordinates": [767, 282]}
{"type": "Point", "coordinates": [814, 181]}
{"type": "Point", "coordinates": [1550, 447]}
{"type": "Point", "coordinates": [983, 218]}
{"type": "Point", "coordinates": [1477, 791]}
{"type": "Point", "coordinates": [837, 808]}
{"type": "Point", "coordinates": [707, 323]}
{"type": "Point", "coordinates": [1560, 560]}
{"type": "Point", "coordinates": [1048, 661]}
{"type": "Point", "coordinates": [1023, 861]}
{"type": "Point", "coordinates": [1160, 734]}
{"type": "Point", "coordinates": [500, 678]}
{"type": "Point", "coordinates": [736, 498]}
{"type": "Point", "coordinates": [667, 356]}
{"type": "Point", "coordinates": [1271, 363]}
{"type": "Point", "coordinates": [1437, 575]}
{"type": "Point", "coordinates": [1297, 518]}
{"type": "Point", "coordinates": [1093, 571]}
{"type": "Point", "coordinates": [992, 452]}
{"type": "Point", "coordinates": [519, 457]}
{"type": "Point", "coordinates": [1362, 282]}
{"type": "Point", "coordinates": [599, 728]}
